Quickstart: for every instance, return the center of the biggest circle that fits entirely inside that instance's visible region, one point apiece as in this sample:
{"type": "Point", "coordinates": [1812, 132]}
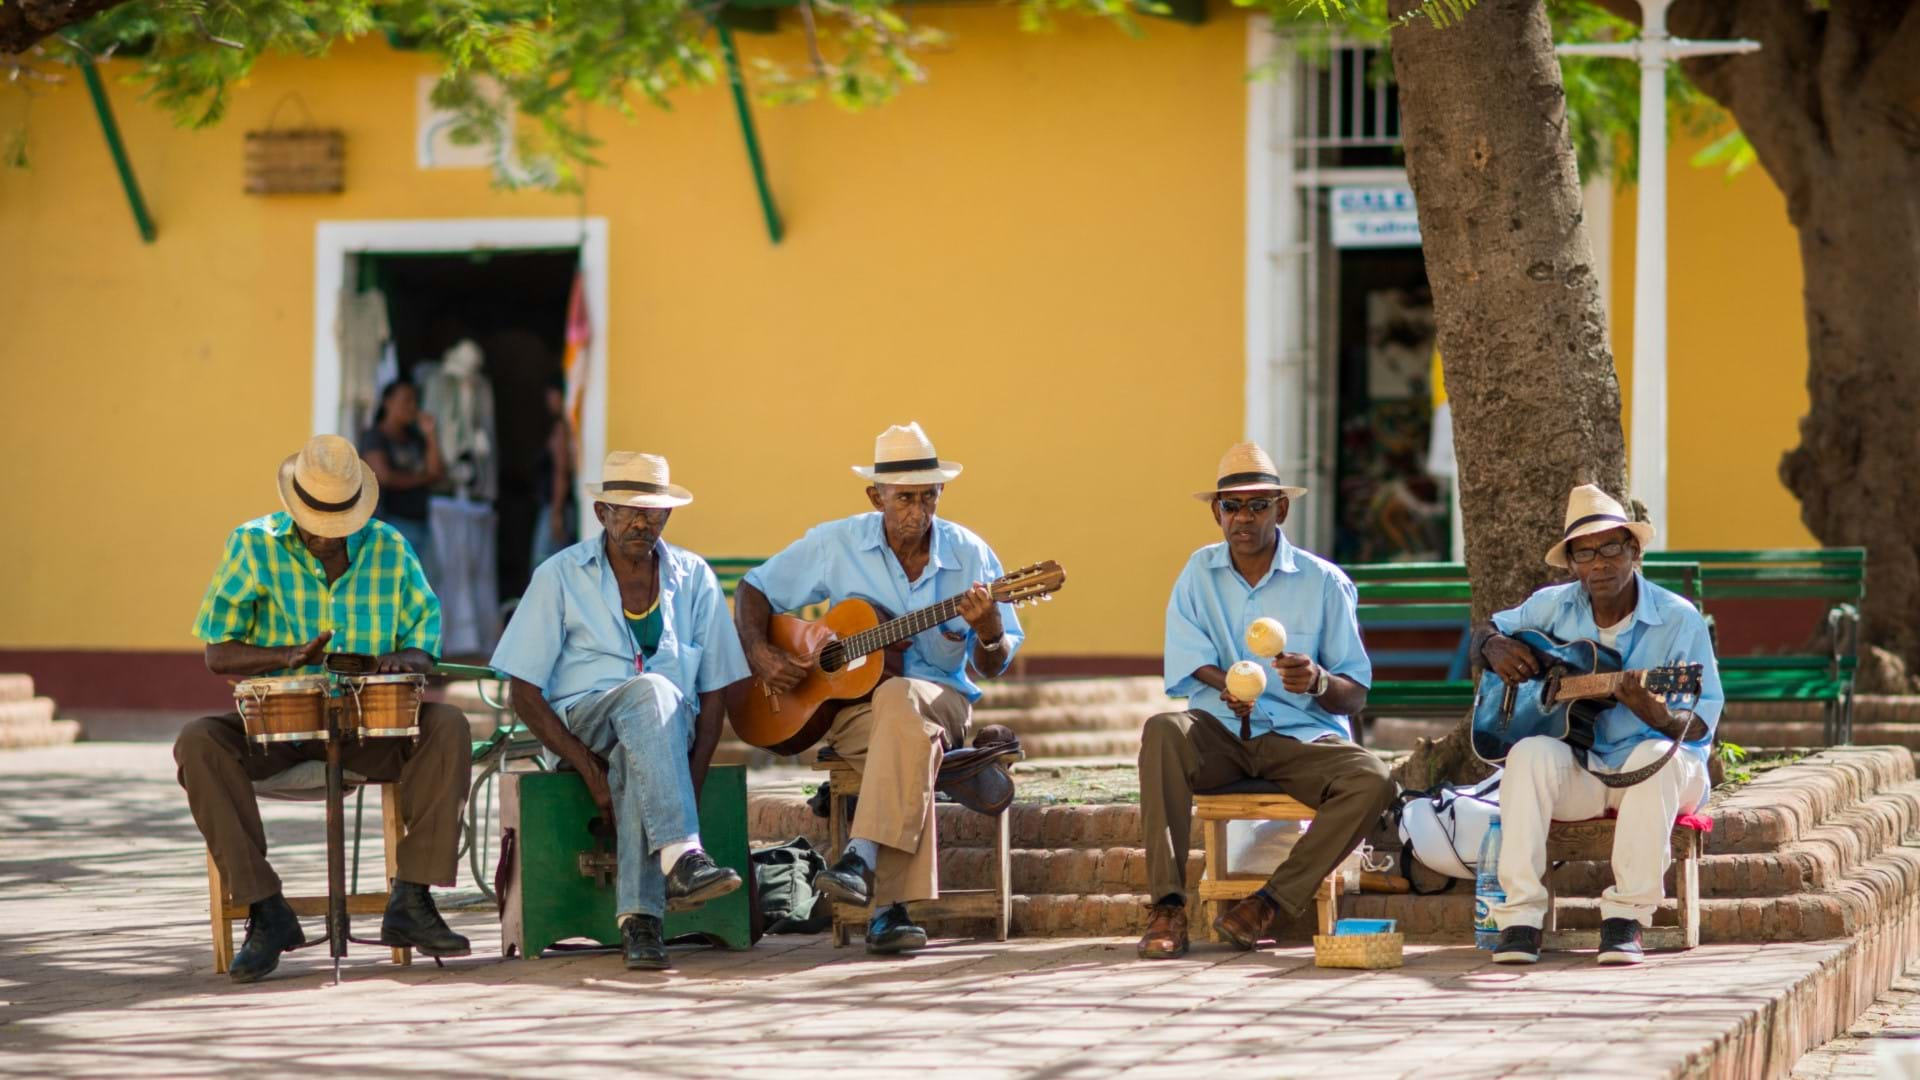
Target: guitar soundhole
{"type": "Point", "coordinates": [833, 658]}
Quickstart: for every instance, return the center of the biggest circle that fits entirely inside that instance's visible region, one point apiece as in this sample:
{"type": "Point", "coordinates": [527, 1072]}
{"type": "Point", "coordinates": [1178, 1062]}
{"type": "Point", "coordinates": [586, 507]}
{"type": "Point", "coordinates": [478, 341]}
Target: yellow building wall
{"type": "Point", "coordinates": [1736, 352]}
{"type": "Point", "coordinates": [1038, 255]}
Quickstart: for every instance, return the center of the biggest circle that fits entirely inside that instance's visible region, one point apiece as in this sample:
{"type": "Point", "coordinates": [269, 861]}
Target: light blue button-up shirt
{"type": "Point", "coordinates": [570, 637]}
{"type": "Point", "coordinates": [1666, 629]}
{"type": "Point", "coordinates": [1207, 619]}
{"type": "Point", "coordinates": [850, 557]}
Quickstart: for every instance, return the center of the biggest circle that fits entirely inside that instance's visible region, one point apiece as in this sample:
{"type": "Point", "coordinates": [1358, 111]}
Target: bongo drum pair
{"type": "Point", "coordinates": [293, 708]}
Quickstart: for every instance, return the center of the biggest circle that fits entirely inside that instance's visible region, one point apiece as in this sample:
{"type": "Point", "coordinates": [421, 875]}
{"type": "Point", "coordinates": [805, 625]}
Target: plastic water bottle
{"type": "Point", "coordinates": [1487, 893]}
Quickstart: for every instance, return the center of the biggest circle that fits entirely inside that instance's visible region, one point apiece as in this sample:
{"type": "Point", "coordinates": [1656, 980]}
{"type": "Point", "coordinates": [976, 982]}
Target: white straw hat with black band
{"type": "Point", "coordinates": [327, 489]}
{"type": "Point", "coordinates": [904, 455]}
{"type": "Point", "coordinates": [630, 478]}
{"type": "Point", "coordinates": [1246, 467]}
{"type": "Point", "coordinates": [1589, 511]}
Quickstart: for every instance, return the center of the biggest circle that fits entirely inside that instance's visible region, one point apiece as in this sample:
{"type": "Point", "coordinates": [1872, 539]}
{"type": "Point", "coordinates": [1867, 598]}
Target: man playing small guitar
{"type": "Point", "coordinates": [901, 558]}
{"type": "Point", "coordinates": [1613, 604]}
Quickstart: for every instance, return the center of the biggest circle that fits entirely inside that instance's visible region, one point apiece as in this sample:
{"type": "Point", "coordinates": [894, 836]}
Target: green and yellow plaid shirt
{"type": "Point", "coordinates": [270, 591]}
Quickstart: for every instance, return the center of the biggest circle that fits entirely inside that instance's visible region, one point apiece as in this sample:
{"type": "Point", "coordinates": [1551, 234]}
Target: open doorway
{"type": "Point", "coordinates": [1390, 508]}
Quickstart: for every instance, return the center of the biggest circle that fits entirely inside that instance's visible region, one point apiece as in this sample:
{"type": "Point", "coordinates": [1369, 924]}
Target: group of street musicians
{"type": "Point", "coordinates": [622, 647]}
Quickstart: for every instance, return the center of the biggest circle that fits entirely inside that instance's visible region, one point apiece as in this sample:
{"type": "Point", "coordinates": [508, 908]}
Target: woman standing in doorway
{"type": "Point", "coordinates": [403, 450]}
{"type": "Point", "coordinates": [553, 482]}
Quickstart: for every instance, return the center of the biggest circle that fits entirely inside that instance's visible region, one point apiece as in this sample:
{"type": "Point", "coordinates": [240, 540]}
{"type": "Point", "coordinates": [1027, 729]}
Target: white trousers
{"type": "Point", "coordinates": [1542, 784]}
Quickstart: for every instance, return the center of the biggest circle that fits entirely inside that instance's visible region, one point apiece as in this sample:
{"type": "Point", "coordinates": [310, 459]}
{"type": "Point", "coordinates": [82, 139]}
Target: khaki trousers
{"type": "Point", "coordinates": [1181, 752]}
{"type": "Point", "coordinates": [896, 741]}
{"type": "Point", "coordinates": [218, 767]}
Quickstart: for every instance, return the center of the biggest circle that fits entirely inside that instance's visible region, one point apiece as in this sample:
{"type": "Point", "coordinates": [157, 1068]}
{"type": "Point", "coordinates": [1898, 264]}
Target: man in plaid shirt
{"type": "Point", "coordinates": [321, 577]}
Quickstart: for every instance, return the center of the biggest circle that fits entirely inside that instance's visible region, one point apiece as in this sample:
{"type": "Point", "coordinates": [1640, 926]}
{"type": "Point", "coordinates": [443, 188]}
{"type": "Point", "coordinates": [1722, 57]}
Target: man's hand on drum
{"type": "Point", "coordinates": [299, 656]}
{"type": "Point", "coordinates": [405, 662]}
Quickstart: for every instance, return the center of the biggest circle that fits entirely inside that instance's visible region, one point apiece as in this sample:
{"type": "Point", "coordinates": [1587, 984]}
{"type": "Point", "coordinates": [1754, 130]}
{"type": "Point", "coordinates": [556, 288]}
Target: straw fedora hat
{"type": "Point", "coordinates": [1246, 467]}
{"type": "Point", "coordinates": [634, 479]}
{"type": "Point", "coordinates": [904, 455]}
{"type": "Point", "coordinates": [327, 489]}
{"type": "Point", "coordinates": [1590, 510]}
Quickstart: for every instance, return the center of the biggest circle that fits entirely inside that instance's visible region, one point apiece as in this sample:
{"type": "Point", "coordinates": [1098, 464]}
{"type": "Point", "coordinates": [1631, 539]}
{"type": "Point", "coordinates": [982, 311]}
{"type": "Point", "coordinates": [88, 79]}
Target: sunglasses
{"type": "Point", "coordinates": [1234, 506]}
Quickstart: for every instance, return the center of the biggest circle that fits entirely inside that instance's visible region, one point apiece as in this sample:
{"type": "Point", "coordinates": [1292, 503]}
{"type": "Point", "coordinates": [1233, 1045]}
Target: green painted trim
{"type": "Point", "coordinates": [737, 82]}
{"type": "Point", "coordinates": [104, 110]}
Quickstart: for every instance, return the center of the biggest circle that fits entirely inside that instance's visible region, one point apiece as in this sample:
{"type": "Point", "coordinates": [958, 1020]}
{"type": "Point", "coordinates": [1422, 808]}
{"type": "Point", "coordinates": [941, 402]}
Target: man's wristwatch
{"type": "Point", "coordinates": [996, 644]}
{"type": "Point", "coordinates": [1320, 685]}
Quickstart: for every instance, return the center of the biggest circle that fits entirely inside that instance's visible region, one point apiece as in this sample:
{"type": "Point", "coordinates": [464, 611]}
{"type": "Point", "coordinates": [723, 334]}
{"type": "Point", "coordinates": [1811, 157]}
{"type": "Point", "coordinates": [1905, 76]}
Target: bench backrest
{"type": "Point", "coordinates": [1837, 574]}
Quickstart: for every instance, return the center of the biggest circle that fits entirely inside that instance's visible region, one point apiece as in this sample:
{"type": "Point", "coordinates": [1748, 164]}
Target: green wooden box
{"type": "Point", "coordinates": [553, 895]}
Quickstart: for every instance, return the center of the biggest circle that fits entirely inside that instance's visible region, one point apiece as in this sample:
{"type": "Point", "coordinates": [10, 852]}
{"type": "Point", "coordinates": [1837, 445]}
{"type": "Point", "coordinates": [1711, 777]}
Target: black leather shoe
{"type": "Point", "coordinates": [272, 928]}
{"type": "Point", "coordinates": [695, 880]}
{"type": "Point", "coordinates": [413, 921]}
{"type": "Point", "coordinates": [1620, 941]}
{"type": "Point", "coordinates": [1518, 945]}
{"type": "Point", "coordinates": [849, 881]}
{"type": "Point", "coordinates": [891, 932]}
{"type": "Point", "coordinates": [640, 941]}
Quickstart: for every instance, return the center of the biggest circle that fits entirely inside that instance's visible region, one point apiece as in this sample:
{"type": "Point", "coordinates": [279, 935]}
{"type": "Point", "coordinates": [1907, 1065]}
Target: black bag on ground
{"type": "Point", "coordinates": [783, 881]}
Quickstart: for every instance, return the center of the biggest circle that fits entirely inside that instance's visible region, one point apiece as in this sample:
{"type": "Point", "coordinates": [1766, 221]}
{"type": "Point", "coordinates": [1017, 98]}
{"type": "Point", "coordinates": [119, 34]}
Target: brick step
{"type": "Point", "coordinates": [1039, 693]}
{"type": "Point", "coordinates": [1127, 718]}
{"type": "Point", "coordinates": [1083, 744]}
{"type": "Point", "coordinates": [34, 736]}
{"type": "Point", "coordinates": [16, 687]}
{"type": "Point", "coordinates": [28, 712]}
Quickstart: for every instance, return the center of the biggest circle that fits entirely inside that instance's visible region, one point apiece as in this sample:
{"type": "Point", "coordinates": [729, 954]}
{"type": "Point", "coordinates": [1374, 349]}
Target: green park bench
{"type": "Point", "coordinates": [1437, 597]}
{"type": "Point", "coordinates": [1837, 576]}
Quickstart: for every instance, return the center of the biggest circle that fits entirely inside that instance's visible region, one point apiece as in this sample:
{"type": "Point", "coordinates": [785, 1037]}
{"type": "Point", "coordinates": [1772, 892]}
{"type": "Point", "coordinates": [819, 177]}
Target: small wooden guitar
{"type": "Point", "coordinates": [1577, 682]}
{"type": "Point", "coordinates": [841, 648]}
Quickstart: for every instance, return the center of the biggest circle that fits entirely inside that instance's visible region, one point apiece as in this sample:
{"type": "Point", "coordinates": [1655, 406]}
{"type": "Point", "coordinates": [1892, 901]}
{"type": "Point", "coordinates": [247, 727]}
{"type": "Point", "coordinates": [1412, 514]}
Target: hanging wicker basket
{"type": "Point", "coordinates": [306, 160]}
{"type": "Point", "coordinates": [1358, 951]}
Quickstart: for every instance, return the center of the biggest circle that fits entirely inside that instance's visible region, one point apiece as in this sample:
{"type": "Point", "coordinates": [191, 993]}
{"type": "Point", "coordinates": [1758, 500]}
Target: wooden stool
{"type": "Point", "coordinates": [1246, 800]}
{"type": "Point", "coordinates": [1584, 841]}
{"type": "Point", "coordinates": [225, 912]}
{"type": "Point", "coordinates": [995, 903]}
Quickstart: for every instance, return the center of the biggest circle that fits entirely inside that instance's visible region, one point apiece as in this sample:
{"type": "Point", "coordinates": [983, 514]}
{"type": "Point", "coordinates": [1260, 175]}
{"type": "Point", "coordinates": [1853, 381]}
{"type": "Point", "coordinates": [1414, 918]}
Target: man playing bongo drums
{"type": "Point", "coordinates": [291, 584]}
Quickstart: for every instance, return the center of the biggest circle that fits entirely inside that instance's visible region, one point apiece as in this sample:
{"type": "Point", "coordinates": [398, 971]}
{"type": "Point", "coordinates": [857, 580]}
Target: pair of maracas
{"type": "Point", "coordinates": [1246, 680]}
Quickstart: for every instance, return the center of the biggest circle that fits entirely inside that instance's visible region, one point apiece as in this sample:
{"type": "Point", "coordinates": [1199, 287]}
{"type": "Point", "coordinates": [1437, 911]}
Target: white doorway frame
{"type": "Point", "coordinates": [333, 241]}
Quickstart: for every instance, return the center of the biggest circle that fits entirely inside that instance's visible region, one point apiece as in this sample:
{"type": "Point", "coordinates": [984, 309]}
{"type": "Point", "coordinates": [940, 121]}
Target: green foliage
{"type": "Point", "coordinates": [1734, 757]}
{"type": "Point", "coordinates": [521, 74]}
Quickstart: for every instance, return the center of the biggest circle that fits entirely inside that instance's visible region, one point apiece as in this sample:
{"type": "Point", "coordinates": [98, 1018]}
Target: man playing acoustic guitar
{"type": "Point", "coordinates": [1615, 605]}
{"type": "Point", "coordinates": [901, 558]}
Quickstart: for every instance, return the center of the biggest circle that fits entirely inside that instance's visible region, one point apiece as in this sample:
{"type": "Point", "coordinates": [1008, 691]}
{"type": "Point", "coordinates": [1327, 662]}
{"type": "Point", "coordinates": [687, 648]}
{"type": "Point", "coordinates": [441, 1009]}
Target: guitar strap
{"type": "Point", "coordinates": [1694, 727]}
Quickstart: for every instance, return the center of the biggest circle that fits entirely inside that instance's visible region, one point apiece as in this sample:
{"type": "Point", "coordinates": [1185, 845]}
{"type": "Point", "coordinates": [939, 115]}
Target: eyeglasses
{"type": "Point", "coordinates": [622, 516]}
{"type": "Point", "coordinates": [1611, 550]}
{"type": "Point", "coordinates": [1234, 506]}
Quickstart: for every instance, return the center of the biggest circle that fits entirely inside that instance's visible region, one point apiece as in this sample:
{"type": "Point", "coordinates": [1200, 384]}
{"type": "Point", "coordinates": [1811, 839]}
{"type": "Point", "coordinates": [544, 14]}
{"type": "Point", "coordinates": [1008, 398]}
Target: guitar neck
{"type": "Point", "coordinates": [1575, 687]}
{"type": "Point", "coordinates": [897, 630]}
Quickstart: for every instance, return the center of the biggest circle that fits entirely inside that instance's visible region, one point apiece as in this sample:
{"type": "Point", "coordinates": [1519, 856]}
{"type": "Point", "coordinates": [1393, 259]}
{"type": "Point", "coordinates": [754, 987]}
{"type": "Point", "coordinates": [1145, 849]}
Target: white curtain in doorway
{"type": "Point", "coordinates": [463, 543]}
{"type": "Point", "coordinates": [362, 331]}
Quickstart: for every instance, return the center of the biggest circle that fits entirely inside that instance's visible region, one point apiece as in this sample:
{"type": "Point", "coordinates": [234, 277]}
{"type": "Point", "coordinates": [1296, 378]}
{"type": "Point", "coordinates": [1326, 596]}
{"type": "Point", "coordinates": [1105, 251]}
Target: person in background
{"type": "Point", "coordinates": [557, 525]}
{"type": "Point", "coordinates": [403, 449]}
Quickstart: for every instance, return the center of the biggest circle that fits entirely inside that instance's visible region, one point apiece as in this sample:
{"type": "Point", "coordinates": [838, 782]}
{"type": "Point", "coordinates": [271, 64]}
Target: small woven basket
{"type": "Point", "coordinates": [1358, 951]}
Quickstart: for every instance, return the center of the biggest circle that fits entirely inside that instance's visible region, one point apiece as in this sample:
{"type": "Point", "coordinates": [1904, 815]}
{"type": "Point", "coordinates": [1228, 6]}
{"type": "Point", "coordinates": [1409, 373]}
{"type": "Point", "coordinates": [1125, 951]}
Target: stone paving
{"type": "Point", "coordinates": [105, 969]}
{"type": "Point", "coordinates": [1883, 1042]}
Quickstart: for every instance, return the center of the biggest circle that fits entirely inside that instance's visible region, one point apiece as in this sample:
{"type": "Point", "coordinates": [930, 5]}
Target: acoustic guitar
{"type": "Point", "coordinates": [842, 649]}
{"type": "Point", "coordinates": [1577, 682]}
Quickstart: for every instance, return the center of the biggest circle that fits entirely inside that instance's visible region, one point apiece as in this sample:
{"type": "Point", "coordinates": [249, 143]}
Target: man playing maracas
{"type": "Point", "coordinates": [1292, 731]}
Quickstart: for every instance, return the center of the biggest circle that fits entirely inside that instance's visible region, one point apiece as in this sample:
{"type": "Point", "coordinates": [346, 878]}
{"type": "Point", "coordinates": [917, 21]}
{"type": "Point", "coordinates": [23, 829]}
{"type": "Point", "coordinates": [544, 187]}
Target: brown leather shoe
{"type": "Point", "coordinates": [1243, 923]}
{"type": "Point", "coordinates": [1166, 936]}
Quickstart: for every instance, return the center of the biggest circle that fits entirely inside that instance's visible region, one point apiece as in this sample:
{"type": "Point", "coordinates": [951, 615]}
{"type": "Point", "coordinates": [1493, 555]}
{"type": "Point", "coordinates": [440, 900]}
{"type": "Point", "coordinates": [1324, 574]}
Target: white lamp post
{"type": "Point", "coordinates": [1654, 49]}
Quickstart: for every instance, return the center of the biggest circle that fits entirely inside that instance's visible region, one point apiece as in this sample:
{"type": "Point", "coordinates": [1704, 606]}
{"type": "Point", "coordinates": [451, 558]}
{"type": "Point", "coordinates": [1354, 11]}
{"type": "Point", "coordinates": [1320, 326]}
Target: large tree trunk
{"type": "Point", "coordinates": [1536, 404]}
{"type": "Point", "coordinates": [1831, 104]}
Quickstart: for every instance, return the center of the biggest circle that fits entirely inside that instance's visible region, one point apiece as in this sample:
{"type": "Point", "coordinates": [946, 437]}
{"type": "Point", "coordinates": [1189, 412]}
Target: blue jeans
{"type": "Point", "coordinates": [644, 734]}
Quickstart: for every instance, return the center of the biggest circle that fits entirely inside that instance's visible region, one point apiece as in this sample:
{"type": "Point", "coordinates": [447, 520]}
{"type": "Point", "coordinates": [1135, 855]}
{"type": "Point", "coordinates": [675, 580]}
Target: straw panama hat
{"type": "Point", "coordinates": [904, 455]}
{"type": "Point", "coordinates": [634, 479]}
{"type": "Point", "coordinates": [1590, 510]}
{"type": "Point", "coordinates": [327, 489]}
{"type": "Point", "coordinates": [1246, 467]}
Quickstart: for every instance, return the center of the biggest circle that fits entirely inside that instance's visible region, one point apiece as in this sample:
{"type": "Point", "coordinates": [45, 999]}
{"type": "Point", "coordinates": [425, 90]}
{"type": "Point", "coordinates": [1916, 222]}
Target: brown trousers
{"type": "Point", "coordinates": [897, 741]}
{"type": "Point", "coordinates": [218, 767]}
{"type": "Point", "coordinates": [1187, 751]}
